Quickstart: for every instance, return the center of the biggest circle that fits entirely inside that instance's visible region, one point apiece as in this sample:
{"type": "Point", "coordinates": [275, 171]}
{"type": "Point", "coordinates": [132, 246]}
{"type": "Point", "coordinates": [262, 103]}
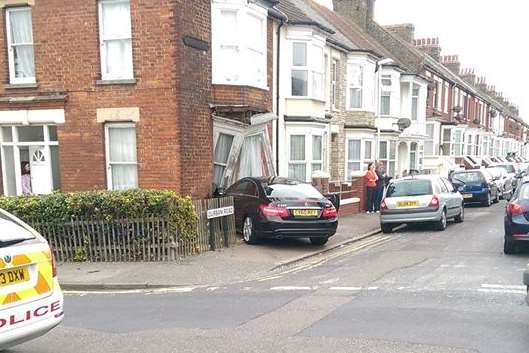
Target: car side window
{"type": "Point", "coordinates": [251, 189]}
{"type": "Point", "coordinates": [448, 185]}
{"type": "Point", "coordinates": [442, 186]}
{"type": "Point", "coordinates": [238, 189]}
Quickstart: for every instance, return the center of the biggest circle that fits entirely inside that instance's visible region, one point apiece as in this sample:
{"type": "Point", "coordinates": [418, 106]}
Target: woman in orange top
{"type": "Point", "coordinates": [371, 183]}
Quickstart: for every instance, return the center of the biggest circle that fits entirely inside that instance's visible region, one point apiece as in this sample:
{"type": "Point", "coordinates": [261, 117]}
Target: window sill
{"type": "Point", "coordinates": [241, 84]}
{"type": "Point", "coordinates": [319, 100]}
{"type": "Point", "coordinates": [21, 86]}
{"type": "Point", "coordinates": [116, 82]}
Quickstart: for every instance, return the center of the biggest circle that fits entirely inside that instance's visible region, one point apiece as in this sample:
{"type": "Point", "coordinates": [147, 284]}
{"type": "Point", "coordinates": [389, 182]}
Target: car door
{"type": "Point", "coordinates": [445, 197]}
{"type": "Point", "coordinates": [454, 198]}
{"type": "Point", "coordinates": [237, 192]}
{"type": "Point", "coordinates": [251, 201]}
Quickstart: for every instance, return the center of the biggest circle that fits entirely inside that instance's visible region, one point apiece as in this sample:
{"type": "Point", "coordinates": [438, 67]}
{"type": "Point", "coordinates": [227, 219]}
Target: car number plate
{"type": "Point", "coordinates": [305, 213]}
{"type": "Point", "coordinates": [407, 204]}
{"type": "Point", "coordinates": [14, 276]}
{"type": "Point", "coordinates": [467, 196]}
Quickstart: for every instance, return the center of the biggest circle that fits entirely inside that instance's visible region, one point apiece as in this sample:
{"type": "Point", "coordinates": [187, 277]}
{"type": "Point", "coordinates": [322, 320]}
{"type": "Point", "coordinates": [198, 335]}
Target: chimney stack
{"type": "Point", "coordinates": [482, 83]}
{"type": "Point", "coordinates": [404, 31]}
{"type": "Point", "coordinates": [360, 12]}
{"type": "Point", "coordinates": [429, 46]}
{"type": "Point", "coordinates": [452, 63]}
{"type": "Point", "coordinates": [469, 75]}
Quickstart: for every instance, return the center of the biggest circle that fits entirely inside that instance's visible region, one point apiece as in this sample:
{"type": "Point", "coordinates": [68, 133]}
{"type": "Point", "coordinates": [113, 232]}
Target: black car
{"type": "Point", "coordinates": [516, 222]}
{"type": "Point", "coordinates": [274, 207]}
{"type": "Point", "coordinates": [476, 186]}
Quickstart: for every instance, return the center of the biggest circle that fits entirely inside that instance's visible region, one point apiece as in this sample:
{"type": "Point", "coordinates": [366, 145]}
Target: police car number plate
{"type": "Point", "coordinates": [14, 276]}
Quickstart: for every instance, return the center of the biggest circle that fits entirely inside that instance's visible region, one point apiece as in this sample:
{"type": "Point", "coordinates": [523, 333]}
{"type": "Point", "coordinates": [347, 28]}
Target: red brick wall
{"type": "Point", "coordinates": [169, 132]}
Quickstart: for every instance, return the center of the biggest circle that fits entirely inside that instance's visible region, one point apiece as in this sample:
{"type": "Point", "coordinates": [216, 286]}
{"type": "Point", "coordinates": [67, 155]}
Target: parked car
{"type": "Point", "coordinates": [31, 301]}
{"type": "Point", "coordinates": [503, 181]}
{"type": "Point", "coordinates": [476, 186]}
{"type": "Point", "coordinates": [513, 171]}
{"type": "Point", "coordinates": [516, 221]}
{"type": "Point", "coordinates": [274, 207]}
{"type": "Point", "coordinates": [419, 199]}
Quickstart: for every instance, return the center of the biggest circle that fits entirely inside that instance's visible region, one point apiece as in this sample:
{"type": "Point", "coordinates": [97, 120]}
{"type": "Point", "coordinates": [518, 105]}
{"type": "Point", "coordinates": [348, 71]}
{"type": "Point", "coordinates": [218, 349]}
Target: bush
{"type": "Point", "coordinates": [105, 205]}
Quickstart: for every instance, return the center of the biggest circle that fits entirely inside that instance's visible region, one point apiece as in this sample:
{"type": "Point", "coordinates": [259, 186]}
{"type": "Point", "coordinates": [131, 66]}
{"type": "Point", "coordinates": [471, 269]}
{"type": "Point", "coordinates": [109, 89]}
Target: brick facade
{"type": "Point", "coordinates": [172, 91]}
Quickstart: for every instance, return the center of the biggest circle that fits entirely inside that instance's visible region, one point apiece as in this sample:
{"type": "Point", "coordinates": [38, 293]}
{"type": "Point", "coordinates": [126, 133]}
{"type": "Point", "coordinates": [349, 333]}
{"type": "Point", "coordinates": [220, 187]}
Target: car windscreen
{"type": "Point", "coordinates": [494, 172]}
{"type": "Point", "coordinates": [468, 177]}
{"type": "Point", "coordinates": [12, 232]}
{"type": "Point", "coordinates": [523, 193]}
{"type": "Point", "coordinates": [416, 187]}
{"type": "Point", "coordinates": [508, 167]}
{"type": "Point", "coordinates": [292, 191]}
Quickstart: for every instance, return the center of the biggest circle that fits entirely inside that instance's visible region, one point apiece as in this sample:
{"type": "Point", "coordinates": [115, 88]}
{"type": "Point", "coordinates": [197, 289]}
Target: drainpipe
{"type": "Point", "coordinates": [278, 84]}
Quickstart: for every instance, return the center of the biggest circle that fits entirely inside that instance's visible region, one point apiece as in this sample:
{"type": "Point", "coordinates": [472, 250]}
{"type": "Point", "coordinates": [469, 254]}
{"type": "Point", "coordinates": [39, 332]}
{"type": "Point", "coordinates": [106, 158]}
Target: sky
{"type": "Point", "coordinates": [489, 36]}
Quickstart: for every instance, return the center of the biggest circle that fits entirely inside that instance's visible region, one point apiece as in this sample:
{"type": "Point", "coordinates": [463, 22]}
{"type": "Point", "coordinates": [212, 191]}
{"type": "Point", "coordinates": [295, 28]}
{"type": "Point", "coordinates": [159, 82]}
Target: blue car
{"type": "Point", "coordinates": [476, 186]}
{"type": "Point", "coordinates": [516, 221]}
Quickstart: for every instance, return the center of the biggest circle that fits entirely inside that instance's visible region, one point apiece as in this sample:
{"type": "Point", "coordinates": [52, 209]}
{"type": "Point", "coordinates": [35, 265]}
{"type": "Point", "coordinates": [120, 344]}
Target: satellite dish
{"type": "Point", "coordinates": [403, 123]}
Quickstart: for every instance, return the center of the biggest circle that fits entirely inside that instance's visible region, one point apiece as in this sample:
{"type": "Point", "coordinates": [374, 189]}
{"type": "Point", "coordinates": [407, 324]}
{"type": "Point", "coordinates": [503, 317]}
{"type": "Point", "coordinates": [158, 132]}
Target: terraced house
{"type": "Point", "coordinates": [465, 117]}
{"type": "Point", "coordinates": [120, 101]}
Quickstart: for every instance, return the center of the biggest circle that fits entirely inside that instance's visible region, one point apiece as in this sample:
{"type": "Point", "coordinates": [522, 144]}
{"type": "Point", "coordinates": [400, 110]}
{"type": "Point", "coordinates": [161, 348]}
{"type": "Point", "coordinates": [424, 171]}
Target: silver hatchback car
{"type": "Point", "coordinates": [421, 199]}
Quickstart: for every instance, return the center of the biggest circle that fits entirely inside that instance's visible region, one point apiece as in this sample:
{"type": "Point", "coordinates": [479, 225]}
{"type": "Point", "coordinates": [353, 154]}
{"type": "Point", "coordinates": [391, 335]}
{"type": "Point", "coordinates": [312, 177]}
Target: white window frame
{"type": "Point", "coordinates": [334, 81]}
{"type": "Point", "coordinates": [449, 142]}
{"type": "Point", "coordinates": [439, 95]}
{"type": "Point", "coordinates": [244, 45]}
{"type": "Point", "coordinates": [11, 52]}
{"type": "Point", "coordinates": [415, 102]}
{"type": "Point", "coordinates": [350, 86]}
{"type": "Point", "coordinates": [102, 45]}
{"type": "Point", "coordinates": [108, 162]}
{"type": "Point", "coordinates": [446, 96]}
{"type": "Point", "coordinates": [216, 140]}
{"type": "Point", "coordinates": [47, 143]}
{"type": "Point", "coordinates": [309, 133]}
{"type": "Point", "coordinates": [389, 159]}
{"type": "Point", "coordinates": [386, 91]}
{"type": "Point", "coordinates": [431, 140]}
{"type": "Point", "coordinates": [312, 68]}
{"type": "Point", "coordinates": [364, 160]}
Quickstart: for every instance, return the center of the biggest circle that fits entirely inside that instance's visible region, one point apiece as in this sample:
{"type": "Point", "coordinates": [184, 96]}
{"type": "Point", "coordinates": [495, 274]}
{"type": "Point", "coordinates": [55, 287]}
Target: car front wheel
{"type": "Point", "coordinates": [488, 200]}
{"type": "Point", "coordinates": [461, 217]}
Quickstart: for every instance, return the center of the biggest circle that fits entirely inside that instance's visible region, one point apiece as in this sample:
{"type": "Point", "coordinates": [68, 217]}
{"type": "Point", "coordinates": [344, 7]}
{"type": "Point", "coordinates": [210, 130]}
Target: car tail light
{"type": "Point", "coordinates": [435, 202]}
{"type": "Point", "coordinates": [53, 264]}
{"type": "Point", "coordinates": [383, 205]}
{"type": "Point", "coordinates": [329, 212]}
{"type": "Point", "coordinates": [273, 211]}
{"type": "Point", "coordinates": [515, 209]}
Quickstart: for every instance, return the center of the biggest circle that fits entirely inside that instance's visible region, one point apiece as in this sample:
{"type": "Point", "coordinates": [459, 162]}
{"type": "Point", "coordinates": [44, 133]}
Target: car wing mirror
{"type": "Point", "coordinates": [335, 200]}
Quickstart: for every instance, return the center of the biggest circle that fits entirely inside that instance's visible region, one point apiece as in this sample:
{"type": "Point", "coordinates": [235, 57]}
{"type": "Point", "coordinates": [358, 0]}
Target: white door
{"type": "Point", "coordinates": [39, 160]}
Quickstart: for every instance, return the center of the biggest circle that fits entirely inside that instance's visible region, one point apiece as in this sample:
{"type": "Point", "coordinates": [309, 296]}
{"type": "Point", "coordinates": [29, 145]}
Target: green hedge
{"type": "Point", "coordinates": [105, 205]}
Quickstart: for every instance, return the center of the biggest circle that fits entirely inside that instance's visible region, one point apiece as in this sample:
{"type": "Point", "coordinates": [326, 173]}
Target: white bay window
{"type": "Point", "coordinates": [115, 31]}
{"type": "Point", "coordinates": [239, 44]}
{"type": "Point", "coordinates": [385, 99]}
{"type": "Point", "coordinates": [308, 66]}
{"type": "Point", "coordinates": [355, 81]}
{"type": "Point", "coordinates": [307, 153]}
{"type": "Point", "coordinates": [388, 156]}
{"type": "Point", "coordinates": [20, 45]}
{"type": "Point", "coordinates": [359, 153]}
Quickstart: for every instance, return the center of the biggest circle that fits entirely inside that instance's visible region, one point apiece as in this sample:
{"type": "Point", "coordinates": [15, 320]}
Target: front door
{"type": "Point", "coordinates": [40, 167]}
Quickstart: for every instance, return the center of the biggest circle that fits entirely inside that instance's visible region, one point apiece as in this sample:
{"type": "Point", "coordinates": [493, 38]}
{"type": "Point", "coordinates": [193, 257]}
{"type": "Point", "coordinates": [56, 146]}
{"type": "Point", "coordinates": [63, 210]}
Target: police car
{"type": "Point", "coordinates": [31, 301]}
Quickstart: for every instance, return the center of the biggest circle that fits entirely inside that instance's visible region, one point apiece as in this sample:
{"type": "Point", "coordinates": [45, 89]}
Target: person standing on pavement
{"type": "Point", "coordinates": [371, 183]}
{"type": "Point", "coordinates": [381, 184]}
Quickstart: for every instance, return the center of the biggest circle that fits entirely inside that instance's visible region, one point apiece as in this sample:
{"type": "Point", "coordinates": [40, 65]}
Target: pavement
{"type": "Point", "coordinates": [237, 264]}
{"type": "Point", "coordinates": [416, 290]}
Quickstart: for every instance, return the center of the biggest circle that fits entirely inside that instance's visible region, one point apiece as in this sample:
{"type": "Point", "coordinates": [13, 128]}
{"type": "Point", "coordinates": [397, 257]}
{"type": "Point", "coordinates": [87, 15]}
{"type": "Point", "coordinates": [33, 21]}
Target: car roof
{"type": "Point", "coordinates": [418, 177]}
{"type": "Point", "coordinates": [271, 180]}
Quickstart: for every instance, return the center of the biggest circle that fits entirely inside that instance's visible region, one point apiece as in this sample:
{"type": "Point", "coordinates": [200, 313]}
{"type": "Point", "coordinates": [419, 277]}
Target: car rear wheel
{"type": "Point", "coordinates": [509, 247]}
{"type": "Point", "coordinates": [248, 233]}
{"type": "Point", "coordinates": [461, 217]}
{"type": "Point", "coordinates": [319, 240]}
{"type": "Point", "coordinates": [442, 223]}
{"type": "Point", "coordinates": [386, 228]}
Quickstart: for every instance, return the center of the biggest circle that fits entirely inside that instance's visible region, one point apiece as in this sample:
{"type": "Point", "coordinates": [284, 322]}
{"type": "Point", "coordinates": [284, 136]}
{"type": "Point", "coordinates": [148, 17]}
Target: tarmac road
{"type": "Point", "coordinates": [416, 290]}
